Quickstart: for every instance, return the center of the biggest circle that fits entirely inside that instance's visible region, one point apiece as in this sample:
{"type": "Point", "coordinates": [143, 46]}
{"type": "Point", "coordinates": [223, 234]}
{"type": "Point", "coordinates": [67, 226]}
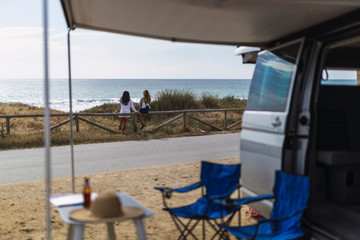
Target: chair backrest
{"type": "Point", "coordinates": [219, 179]}
{"type": "Point", "coordinates": [291, 196]}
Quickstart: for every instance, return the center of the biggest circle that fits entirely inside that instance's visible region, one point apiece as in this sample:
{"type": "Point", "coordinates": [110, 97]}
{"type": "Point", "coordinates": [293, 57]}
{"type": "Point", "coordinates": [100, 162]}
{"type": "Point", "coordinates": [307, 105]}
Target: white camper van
{"type": "Point", "coordinates": [298, 118]}
{"type": "Point", "coordinates": [303, 117]}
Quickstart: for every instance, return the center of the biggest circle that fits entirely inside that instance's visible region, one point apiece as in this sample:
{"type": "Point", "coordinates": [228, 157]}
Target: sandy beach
{"type": "Point", "coordinates": [22, 205]}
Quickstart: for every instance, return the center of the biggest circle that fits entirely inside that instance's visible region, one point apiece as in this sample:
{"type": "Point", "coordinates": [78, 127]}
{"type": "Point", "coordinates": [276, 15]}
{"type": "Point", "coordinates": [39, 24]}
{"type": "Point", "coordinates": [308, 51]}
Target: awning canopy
{"type": "Point", "coordinates": [228, 22]}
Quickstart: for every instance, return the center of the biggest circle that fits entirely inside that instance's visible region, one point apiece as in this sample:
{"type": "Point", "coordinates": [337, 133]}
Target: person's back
{"type": "Point", "coordinates": [144, 106]}
{"type": "Point", "coordinates": [126, 104]}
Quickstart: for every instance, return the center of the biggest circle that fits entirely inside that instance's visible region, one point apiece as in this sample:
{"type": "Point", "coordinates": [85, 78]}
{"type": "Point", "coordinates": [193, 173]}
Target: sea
{"type": "Point", "coordinates": [87, 93]}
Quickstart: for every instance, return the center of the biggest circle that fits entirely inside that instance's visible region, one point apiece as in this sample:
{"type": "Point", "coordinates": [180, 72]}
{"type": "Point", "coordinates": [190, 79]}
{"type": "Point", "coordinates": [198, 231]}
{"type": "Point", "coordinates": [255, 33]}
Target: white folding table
{"type": "Point", "coordinates": [68, 202]}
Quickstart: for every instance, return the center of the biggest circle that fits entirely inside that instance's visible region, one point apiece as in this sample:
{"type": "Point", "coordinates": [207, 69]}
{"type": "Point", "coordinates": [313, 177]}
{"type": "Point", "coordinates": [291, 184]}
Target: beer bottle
{"type": "Point", "coordinates": [87, 193]}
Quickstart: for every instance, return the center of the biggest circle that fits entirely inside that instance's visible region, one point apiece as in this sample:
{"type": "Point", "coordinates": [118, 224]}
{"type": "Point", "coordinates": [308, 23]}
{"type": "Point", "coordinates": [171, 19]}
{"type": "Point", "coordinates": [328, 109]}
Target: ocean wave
{"type": "Point", "coordinates": [96, 100]}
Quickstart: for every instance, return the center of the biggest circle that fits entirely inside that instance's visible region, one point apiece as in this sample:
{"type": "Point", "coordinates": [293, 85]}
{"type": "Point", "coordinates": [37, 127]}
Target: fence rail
{"type": "Point", "coordinates": [79, 117]}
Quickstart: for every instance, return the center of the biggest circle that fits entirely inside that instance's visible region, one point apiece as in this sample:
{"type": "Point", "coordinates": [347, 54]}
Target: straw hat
{"type": "Point", "coordinates": [106, 208]}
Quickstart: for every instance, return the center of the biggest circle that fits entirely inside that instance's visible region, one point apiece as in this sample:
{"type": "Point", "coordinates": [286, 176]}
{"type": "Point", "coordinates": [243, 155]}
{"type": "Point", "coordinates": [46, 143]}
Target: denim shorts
{"type": "Point", "coordinates": [144, 110]}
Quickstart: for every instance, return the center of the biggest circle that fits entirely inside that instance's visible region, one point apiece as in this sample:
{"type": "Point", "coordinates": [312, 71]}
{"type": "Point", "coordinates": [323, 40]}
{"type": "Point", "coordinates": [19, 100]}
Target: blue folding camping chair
{"type": "Point", "coordinates": [291, 193]}
{"type": "Point", "coordinates": [219, 181]}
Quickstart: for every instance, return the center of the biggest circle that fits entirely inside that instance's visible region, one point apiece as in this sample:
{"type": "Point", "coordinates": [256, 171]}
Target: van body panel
{"type": "Point", "coordinates": [260, 155]}
{"type": "Point", "coordinates": [270, 144]}
{"type": "Point", "coordinates": [264, 121]}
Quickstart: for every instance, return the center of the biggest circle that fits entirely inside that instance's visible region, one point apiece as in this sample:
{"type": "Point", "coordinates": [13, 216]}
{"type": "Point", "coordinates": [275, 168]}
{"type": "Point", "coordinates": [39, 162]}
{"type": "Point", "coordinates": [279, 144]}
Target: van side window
{"type": "Point", "coordinates": [272, 79]}
{"type": "Point", "coordinates": [339, 77]}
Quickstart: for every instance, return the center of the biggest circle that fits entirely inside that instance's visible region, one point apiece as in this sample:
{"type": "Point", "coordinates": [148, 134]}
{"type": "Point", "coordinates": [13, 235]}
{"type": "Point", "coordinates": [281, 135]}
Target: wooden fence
{"type": "Point", "coordinates": [184, 114]}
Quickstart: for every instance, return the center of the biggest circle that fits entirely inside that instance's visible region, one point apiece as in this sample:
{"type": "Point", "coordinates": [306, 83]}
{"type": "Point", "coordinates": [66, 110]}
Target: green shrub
{"type": "Point", "coordinates": [209, 101]}
{"type": "Point", "coordinates": [232, 102]}
{"type": "Point", "coordinates": [174, 99]}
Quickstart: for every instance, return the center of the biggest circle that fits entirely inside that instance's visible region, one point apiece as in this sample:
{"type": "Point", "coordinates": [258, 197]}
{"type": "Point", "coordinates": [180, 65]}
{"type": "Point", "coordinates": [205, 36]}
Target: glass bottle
{"type": "Point", "coordinates": [87, 193]}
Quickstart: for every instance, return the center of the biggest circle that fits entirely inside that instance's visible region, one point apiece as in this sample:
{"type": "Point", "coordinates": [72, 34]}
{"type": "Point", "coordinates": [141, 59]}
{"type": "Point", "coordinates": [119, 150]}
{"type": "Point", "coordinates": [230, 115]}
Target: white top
{"type": "Point", "coordinates": [143, 104]}
{"type": "Point", "coordinates": [126, 108]}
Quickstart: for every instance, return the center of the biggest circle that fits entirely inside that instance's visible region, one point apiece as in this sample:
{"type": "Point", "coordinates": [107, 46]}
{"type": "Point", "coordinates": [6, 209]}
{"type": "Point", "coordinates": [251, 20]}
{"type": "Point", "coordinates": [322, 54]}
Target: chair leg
{"type": "Point", "coordinates": [223, 234]}
{"type": "Point", "coordinates": [185, 229]}
{"type": "Point", "coordinates": [217, 230]}
{"type": "Point", "coordinates": [203, 222]}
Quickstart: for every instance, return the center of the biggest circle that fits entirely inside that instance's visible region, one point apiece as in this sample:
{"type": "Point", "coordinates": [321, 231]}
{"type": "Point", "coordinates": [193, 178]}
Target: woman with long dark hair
{"type": "Point", "coordinates": [126, 106]}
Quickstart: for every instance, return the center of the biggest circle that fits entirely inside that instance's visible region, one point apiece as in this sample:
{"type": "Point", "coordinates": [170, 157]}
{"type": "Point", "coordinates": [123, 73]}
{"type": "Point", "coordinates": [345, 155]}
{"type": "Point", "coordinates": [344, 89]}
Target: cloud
{"type": "Point", "coordinates": [88, 33]}
{"type": "Point", "coordinates": [105, 55]}
{"type": "Point", "coordinates": [20, 40]}
{"type": "Point", "coordinates": [75, 33]}
{"type": "Point", "coordinates": [16, 32]}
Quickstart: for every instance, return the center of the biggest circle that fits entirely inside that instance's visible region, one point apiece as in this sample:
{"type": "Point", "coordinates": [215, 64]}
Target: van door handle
{"type": "Point", "coordinates": [276, 122]}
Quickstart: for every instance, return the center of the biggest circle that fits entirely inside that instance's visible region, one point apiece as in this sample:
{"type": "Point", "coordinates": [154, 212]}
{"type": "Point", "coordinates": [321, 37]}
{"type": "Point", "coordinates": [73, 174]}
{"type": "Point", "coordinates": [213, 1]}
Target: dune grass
{"type": "Point", "coordinates": [28, 132]}
{"type": "Point", "coordinates": [174, 99]}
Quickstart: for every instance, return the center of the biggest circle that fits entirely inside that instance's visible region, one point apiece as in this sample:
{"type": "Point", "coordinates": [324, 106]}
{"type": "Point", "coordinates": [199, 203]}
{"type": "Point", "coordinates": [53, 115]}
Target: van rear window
{"type": "Point", "coordinates": [272, 79]}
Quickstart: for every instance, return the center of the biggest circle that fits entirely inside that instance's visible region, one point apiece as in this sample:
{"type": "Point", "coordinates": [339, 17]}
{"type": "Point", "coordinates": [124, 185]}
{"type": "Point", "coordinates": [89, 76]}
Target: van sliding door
{"type": "Point", "coordinates": [265, 118]}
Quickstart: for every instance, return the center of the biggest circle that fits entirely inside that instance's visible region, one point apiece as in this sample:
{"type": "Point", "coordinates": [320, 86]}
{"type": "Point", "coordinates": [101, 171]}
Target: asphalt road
{"type": "Point", "coordinates": [27, 165]}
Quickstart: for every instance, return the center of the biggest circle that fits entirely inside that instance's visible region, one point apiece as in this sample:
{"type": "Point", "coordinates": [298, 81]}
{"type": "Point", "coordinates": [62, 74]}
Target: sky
{"type": "Point", "coordinates": [102, 55]}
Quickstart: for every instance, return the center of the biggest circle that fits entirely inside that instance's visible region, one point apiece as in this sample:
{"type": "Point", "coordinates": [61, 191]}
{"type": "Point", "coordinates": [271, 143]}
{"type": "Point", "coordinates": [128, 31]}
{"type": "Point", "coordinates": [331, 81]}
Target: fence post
{"type": "Point", "coordinates": [135, 126]}
{"type": "Point", "coordinates": [77, 123]}
{"type": "Point", "coordinates": [7, 125]}
{"type": "Point", "coordinates": [225, 120]}
{"type": "Point", "coordinates": [184, 119]}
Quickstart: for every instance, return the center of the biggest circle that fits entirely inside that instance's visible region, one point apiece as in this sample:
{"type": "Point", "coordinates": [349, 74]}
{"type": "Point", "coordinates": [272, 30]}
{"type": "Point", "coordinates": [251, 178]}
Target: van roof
{"type": "Point", "coordinates": [227, 22]}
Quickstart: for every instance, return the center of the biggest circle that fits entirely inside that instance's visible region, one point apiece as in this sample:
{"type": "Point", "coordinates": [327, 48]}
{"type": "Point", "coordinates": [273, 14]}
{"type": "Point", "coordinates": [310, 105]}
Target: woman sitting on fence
{"type": "Point", "coordinates": [126, 105]}
{"type": "Point", "coordinates": [144, 106]}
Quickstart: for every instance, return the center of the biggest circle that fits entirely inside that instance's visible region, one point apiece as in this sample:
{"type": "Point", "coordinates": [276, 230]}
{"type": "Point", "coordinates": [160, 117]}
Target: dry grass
{"type": "Point", "coordinates": [28, 132]}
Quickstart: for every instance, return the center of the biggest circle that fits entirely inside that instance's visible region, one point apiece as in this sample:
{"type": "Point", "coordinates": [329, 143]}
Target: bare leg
{"type": "Point", "coordinates": [120, 125]}
{"type": "Point", "coordinates": [124, 124]}
{"type": "Point", "coordinates": [141, 118]}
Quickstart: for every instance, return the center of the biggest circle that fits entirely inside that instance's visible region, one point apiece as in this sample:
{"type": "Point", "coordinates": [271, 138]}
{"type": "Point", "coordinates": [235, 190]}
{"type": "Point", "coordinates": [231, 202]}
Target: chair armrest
{"type": "Point", "coordinates": [241, 201]}
{"type": "Point", "coordinates": [283, 218]}
{"type": "Point", "coordinates": [180, 190]}
{"type": "Point", "coordinates": [225, 195]}
{"type": "Point", "coordinates": [167, 192]}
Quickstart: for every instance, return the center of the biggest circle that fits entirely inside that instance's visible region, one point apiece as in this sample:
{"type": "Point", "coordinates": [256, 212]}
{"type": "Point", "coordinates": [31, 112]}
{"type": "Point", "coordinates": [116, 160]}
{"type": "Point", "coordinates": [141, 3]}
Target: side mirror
{"type": "Point", "coordinates": [249, 54]}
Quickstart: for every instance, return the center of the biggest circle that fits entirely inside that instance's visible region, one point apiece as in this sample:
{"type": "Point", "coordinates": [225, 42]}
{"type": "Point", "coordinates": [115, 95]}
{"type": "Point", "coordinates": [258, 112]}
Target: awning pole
{"type": "Point", "coordinates": [71, 117]}
{"type": "Point", "coordinates": [47, 140]}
